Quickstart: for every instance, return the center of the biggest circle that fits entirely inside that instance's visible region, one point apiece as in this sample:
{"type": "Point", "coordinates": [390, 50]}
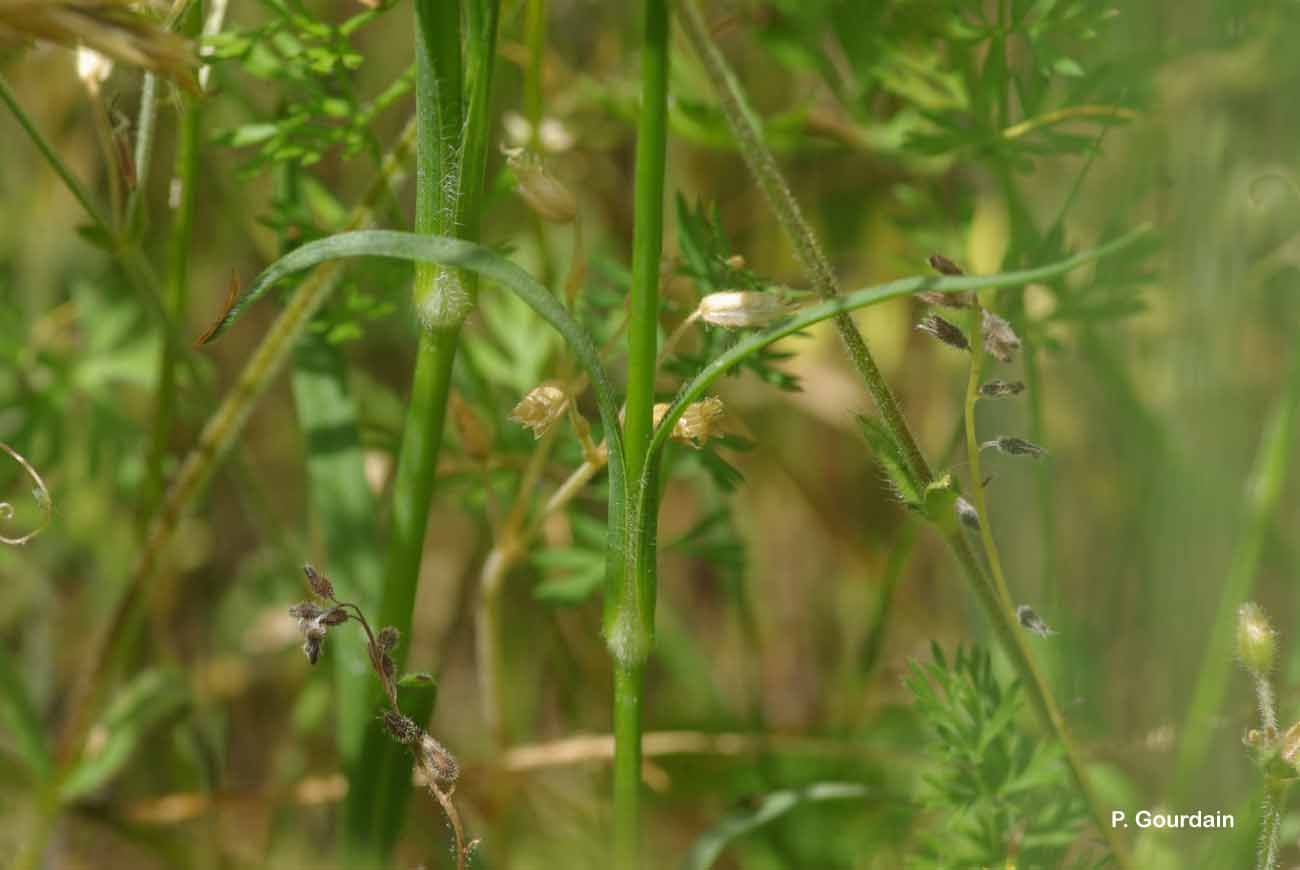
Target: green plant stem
{"type": "Point", "coordinates": [762, 164]}
{"type": "Point", "coordinates": [1002, 610]}
{"type": "Point", "coordinates": [630, 625]}
{"type": "Point", "coordinates": [176, 287]}
{"type": "Point", "coordinates": [56, 163]}
{"type": "Point", "coordinates": [1270, 831]}
{"type": "Point", "coordinates": [1263, 494]}
{"type": "Point", "coordinates": [146, 126]}
{"type": "Point", "coordinates": [749, 138]}
{"type": "Point", "coordinates": [217, 437]}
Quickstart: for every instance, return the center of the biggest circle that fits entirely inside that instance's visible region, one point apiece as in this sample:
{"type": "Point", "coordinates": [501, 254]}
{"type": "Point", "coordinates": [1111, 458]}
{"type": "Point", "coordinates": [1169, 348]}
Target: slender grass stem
{"type": "Point", "coordinates": [630, 606]}
{"type": "Point", "coordinates": [56, 162]}
{"type": "Point", "coordinates": [758, 157]}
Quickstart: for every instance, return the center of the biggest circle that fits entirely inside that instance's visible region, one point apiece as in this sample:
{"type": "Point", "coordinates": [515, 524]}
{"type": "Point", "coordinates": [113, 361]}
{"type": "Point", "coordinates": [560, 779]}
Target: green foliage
{"type": "Point", "coordinates": [997, 794]}
{"type": "Point", "coordinates": [312, 62]}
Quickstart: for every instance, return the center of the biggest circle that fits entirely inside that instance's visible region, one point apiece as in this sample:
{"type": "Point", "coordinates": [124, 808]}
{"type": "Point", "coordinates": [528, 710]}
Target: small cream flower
{"type": "Point", "coordinates": [742, 309]}
{"type": "Point", "coordinates": [544, 404]}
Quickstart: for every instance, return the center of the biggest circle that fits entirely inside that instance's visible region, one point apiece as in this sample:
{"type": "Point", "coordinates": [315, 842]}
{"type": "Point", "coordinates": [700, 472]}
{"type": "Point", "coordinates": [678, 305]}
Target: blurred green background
{"type": "Point", "coordinates": [907, 128]}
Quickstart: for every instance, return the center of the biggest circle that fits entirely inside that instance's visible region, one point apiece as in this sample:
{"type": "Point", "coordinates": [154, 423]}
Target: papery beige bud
{"type": "Point", "coordinates": [544, 404]}
{"type": "Point", "coordinates": [93, 68]}
{"type": "Point", "coordinates": [700, 421]}
{"type": "Point", "coordinates": [742, 309]}
{"type": "Point", "coordinates": [657, 413]}
{"type": "Point", "coordinates": [543, 192]}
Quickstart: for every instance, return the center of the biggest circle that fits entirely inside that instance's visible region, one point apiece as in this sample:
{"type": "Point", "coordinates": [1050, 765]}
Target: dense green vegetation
{"type": "Point", "coordinates": [726, 434]}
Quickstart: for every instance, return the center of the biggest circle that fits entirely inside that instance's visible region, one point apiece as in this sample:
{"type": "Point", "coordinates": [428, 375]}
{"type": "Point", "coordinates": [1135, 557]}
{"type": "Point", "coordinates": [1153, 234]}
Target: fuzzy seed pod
{"type": "Point", "coordinates": [544, 404]}
{"type": "Point", "coordinates": [437, 761]}
{"type": "Point", "coordinates": [946, 332]}
{"type": "Point", "coordinates": [742, 309]}
{"type": "Point", "coordinates": [1032, 621]}
{"type": "Point", "coordinates": [1256, 640]}
{"type": "Point", "coordinates": [401, 728]}
{"type": "Point", "coordinates": [996, 389]}
{"type": "Point", "coordinates": [1014, 446]}
{"type": "Point", "coordinates": [319, 583]}
{"type": "Point", "coordinates": [966, 514]}
{"type": "Point", "coordinates": [944, 266]}
{"type": "Point", "coordinates": [700, 421]}
{"type": "Point", "coordinates": [550, 199]}
{"type": "Point", "coordinates": [1000, 340]}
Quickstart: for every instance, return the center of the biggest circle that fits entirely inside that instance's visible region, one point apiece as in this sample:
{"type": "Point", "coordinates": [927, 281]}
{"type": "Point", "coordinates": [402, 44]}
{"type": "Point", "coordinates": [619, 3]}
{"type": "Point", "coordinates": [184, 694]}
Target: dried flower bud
{"type": "Point", "coordinates": [997, 389]}
{"type": "Point", "coordinates": [1014, 446]}
{"type": "Point", "coordinates": [1032, 621]}
{"type": "Point", "coordinates": [944, 300]}
{"type": "Point", "coordinates": [544, 404]}
{"type": "Point", "coordinates": [1256, 639]}
{"type": "Point", "coordinates": [999, 338]}
{"type": "Point", "coordinates": [401, 728]}
{"type": "Point", "coordinates": [700, 421]}
{"type": "Point", "coordinates": [742, 309]}
{"type": "Point", "coordinates": [437, 761]}
{"type": "Point", "coordinates": [93, 69]}
{"type": "Point", "coordinates": [944, 331]}
{"type": "Point", "coordinates": [319, 583]}
{"type": "Point", "coordinates": [313, 637]}
{"type": "Point", "coordinates": [544, 194]}
{"type": "Point", "coordinates": [387, 638]}
{"type": "Point", "coordinates": [306, 612]}
{"type": "Point", "coordinates": [967, 514]}
{"type": "Point", "coordinates": [944, 266]}
{"type": "Point", "coordinates": [334, 616]}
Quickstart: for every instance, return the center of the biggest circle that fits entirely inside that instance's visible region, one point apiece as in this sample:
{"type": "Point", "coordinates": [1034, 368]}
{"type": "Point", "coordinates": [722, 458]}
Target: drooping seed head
{"type": "Point", "coordinates": [936, 326]}
{"type": "Point", "coordinates": [1256, 639]}
{"type": "Point", "coordinates": [742, 309]}
{"type": "Point", "coordinates": [1014, 447]}
{"type": "Point", "coordinates": [538, 411]}
{"type": "Point", "coordinates": [944, 266]}
{"type": "Point", "coordinates": [997, 389]}
{"type": "Point", "coordinates": [966, 514]}
{"type": "Point", "coordinates": [319, 583]}
{"type": "Point", "coordinates": [1032, 622]}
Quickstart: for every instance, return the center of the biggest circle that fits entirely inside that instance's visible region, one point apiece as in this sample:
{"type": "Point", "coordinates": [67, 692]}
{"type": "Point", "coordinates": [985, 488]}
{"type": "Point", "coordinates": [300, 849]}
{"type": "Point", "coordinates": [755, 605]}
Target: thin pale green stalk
{"type": "Point", "coordinates": [758, 157]}
{"type": "Point", "coordinates": [56, 163]}
{"type": "Point", "coordinates": [1004, 611]}
{"type": "Point", "coordinates": [629, 606]}
{"type": "Point", "coordinates": [176, 287]}
{"type": "Point", "coordinates": [218, 435]}
{"type": "Point", "coordinates": [1263, 494]}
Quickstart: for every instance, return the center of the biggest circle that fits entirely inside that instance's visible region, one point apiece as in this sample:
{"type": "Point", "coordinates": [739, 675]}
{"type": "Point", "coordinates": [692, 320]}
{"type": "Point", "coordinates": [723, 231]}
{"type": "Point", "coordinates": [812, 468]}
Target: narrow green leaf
{"type": "Point", "coordinates": [22, 721]}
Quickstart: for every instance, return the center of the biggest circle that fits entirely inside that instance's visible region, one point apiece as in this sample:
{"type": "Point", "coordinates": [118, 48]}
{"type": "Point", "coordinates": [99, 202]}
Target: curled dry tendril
{"type": "Point", "coordinates": [40, 493]}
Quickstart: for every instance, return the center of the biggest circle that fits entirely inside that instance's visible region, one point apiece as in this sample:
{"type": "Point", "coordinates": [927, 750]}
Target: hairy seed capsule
{"type": "Point", "coordinates": [946, 332]}
{"type": "Point", "coordinates": [1032, 621]}
{"type": "Point", "coordinates": [742, 309]}
{"type": "Point", "coordinates": [944, 266]}
{"type": "Point", "coordinates": [1256, 639]}
{"type": "Point", "coordinates": [967, 514]}
{"type": "Point", "coordinates": [319, 583]}
{"type": "Point", "coordinates": [539, 410]}
{"type": "Point", "coordinates": [997, 389]}
{"type": "Point", "coordinates": [401, 728]}
{"type": "Point", "coordinates": [1014, 446]}
{"type": "Point", "coordinates": [437, 761]}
